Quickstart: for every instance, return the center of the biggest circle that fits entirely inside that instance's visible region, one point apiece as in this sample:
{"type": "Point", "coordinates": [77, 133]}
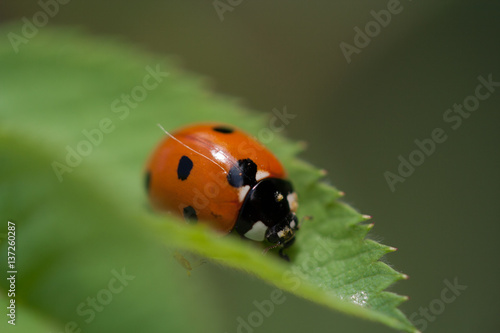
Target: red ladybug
{"type": "Point", "coordinates": [218, 175]}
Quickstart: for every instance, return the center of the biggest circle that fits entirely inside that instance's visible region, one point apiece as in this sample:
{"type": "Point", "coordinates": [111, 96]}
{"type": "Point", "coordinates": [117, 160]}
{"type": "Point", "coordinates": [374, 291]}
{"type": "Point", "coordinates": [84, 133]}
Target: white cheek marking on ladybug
{"type": "Point", "coordinates": [261, 175]}
{"type": "Point", "coordinates": [292, 201]}
{"type": "Point", "coordinates": [242, 192]}
{"type": "Point", "coordinates": [258, 232]}
{"type": "Point", "coordinates": [293, 224]}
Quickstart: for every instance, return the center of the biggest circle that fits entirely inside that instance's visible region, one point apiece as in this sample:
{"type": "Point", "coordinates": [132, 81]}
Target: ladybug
{"type": "Point", "coordinates": [218, 175]}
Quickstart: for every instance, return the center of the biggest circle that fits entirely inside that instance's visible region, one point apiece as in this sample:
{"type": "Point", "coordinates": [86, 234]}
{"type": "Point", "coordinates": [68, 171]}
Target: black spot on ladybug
{"type": "Point", "coordinates": [184, 168]}
{"type": "Point", "coordinates": [190, 214]}
{"type": "Point", "coordinates": [242, 174]}
{"type": "Point", "coordinates": [147, 181]}
{"type": "Point", "coordinates": [223, 129]}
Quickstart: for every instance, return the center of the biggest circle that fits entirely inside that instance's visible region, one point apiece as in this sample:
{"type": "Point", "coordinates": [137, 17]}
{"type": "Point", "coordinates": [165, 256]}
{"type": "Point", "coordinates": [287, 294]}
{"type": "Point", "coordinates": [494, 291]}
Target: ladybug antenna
{"type": "Point", "coordinates": [304, 218]}
{"type": "Point", "coordinates": [194, 151]}
{"type": "Point", "coordinates": [270, 248]}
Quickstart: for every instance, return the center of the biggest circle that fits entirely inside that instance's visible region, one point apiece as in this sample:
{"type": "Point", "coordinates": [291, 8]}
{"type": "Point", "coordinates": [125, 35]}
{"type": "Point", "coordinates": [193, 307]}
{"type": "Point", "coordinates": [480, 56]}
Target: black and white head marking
{"type": "Point", "coordinates": [266, 213]}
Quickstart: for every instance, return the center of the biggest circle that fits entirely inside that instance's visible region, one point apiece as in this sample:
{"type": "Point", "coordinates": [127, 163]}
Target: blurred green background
{"type": "Point", "coordinates": [356, 118]}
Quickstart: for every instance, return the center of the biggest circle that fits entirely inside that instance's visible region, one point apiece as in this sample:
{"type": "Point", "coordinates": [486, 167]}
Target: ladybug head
{"type": "Point", "coordinates": [283, 235]}
{"type": "Point", "coordinates": [268, 213]}
{"type": "Point", "coordinates": [284, 232]}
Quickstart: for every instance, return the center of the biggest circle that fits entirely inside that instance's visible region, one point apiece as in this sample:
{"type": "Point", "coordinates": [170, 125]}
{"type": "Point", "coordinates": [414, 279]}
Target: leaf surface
{"type": "Point", "coordinates": [77, 122]}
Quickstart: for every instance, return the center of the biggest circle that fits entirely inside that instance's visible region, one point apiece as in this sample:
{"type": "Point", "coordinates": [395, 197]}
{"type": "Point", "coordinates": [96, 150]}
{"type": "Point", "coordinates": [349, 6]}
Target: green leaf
{"type": "Point", "coordinates": [82, 218]}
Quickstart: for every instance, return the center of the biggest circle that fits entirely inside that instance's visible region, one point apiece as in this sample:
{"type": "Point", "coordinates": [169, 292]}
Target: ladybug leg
{"type": "Point", "coordinates": [287, 244]}
{"type": "Point", "coordinates": [283, 255]}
